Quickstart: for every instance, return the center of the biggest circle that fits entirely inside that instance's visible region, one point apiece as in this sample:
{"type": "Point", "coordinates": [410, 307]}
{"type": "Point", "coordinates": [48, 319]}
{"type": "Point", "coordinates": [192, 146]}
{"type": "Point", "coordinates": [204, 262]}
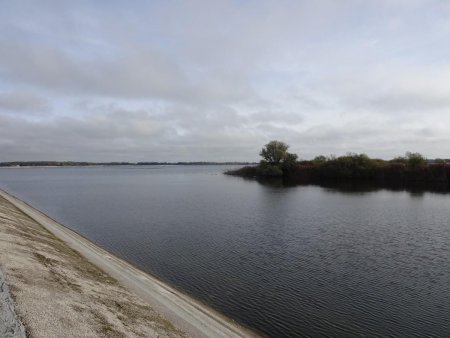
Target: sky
{"type": "Point", "coordinates": [216, 80]}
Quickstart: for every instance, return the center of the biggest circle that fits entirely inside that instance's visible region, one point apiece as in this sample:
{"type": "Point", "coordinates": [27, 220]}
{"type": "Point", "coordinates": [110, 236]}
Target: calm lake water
{"type": "Point", "coordinates": [298, 261]}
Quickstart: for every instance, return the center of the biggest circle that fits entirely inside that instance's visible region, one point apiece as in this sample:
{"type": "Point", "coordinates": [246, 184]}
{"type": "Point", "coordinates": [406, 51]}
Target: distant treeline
{"type": "Point", "coordinates": [56, 164]}
{"type": "Point", "coordinates": [81, 164]}
{"type": "Point", "coordinates": [195, 163]}
{"type": "Point", "coordinates": [358, 167]}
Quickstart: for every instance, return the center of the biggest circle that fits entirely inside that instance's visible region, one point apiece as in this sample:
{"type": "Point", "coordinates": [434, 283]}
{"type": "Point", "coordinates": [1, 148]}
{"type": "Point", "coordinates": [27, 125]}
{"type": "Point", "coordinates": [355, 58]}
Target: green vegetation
{"type": "Point", "coordinates": [276, 159]}
{"type": "Point", "coordinates": [413, 160]}
{"type": "Point", "coordinates": [278, 162]}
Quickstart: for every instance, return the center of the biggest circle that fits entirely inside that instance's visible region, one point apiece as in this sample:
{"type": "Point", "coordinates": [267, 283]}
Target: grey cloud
{"type": "Point", "coordinates": [124, 135]}
{"type": "Point", "coordinates": [61, 137]}
{"type": "Point", "coordinates": [384, 140]}
{"type": "Point", "coordinates": [22, 102]}
{"type": "Point", "coordinates": [393, 90]}
{"type": "Point", "coordinates": [140, 73]}
{"type": "Point", "coordinates": [135, 74]}
{"type": "Point", "coordinates": [410, 102]}
{"type": "Point", "coordinates": [216, 80]}
{"type": "Point", "coordinates": [121, 134]}
{"type": "Point", "coordinates": [276, 117]}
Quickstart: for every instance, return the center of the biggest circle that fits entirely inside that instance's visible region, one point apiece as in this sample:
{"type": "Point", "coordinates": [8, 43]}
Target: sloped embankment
{"type": "Point", "coordinates": [10, 325]}
{"type": "Point", "coordinates": [58, 293]}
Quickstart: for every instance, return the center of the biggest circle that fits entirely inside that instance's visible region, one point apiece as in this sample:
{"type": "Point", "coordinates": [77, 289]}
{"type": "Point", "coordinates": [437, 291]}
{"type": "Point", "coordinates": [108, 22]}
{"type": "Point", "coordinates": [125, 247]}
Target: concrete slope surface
{"type": "Point", "coordinates": [10, 325]}
{"type": "Point", "coordinates": [184, 312]}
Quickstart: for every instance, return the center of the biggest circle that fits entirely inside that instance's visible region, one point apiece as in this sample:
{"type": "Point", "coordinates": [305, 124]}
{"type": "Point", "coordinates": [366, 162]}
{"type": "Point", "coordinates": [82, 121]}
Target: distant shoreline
{"type": "Point", "coordinates": [57, 164]}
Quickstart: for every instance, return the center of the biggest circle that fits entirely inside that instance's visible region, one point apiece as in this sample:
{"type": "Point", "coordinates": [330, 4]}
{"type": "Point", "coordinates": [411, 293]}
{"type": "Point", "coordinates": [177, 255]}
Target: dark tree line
{"type": "Point", "coordinates": [278, 162]}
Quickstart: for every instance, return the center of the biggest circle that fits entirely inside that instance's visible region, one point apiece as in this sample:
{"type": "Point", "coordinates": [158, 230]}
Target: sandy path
{"type": "Point", "coordinates": [187, 314]}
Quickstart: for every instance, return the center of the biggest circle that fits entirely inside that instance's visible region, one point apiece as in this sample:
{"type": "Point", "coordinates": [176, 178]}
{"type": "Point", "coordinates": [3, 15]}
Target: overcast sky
{"type": "Point", "coordinates": [216, 80]}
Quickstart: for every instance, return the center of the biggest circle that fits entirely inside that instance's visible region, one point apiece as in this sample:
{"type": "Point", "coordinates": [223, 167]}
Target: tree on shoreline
{"type": "Point", "coordinates": [274, 152]}
{"type": "Point", "coordinates": [276, 159]}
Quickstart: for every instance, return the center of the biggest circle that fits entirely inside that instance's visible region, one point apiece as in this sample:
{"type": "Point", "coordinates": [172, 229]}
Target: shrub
{"type": "Point", "coordinates": [269, 170]}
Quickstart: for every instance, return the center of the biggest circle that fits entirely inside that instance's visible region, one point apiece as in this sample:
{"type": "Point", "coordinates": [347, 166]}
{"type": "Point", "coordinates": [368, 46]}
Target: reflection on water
{"type": "Point", "coordinates": [332, 260]}
{"type": "Point", "coordinates": [415, 188]}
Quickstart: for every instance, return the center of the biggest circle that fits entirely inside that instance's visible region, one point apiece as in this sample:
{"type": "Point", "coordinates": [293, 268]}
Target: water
{"type": "Point", "coordinates": [298, 261]}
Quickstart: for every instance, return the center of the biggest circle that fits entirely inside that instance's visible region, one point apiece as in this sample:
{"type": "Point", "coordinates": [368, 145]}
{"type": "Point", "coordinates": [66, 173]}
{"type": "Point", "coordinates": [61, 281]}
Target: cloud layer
{"type": "Point", "coordinates": [215, 80]}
